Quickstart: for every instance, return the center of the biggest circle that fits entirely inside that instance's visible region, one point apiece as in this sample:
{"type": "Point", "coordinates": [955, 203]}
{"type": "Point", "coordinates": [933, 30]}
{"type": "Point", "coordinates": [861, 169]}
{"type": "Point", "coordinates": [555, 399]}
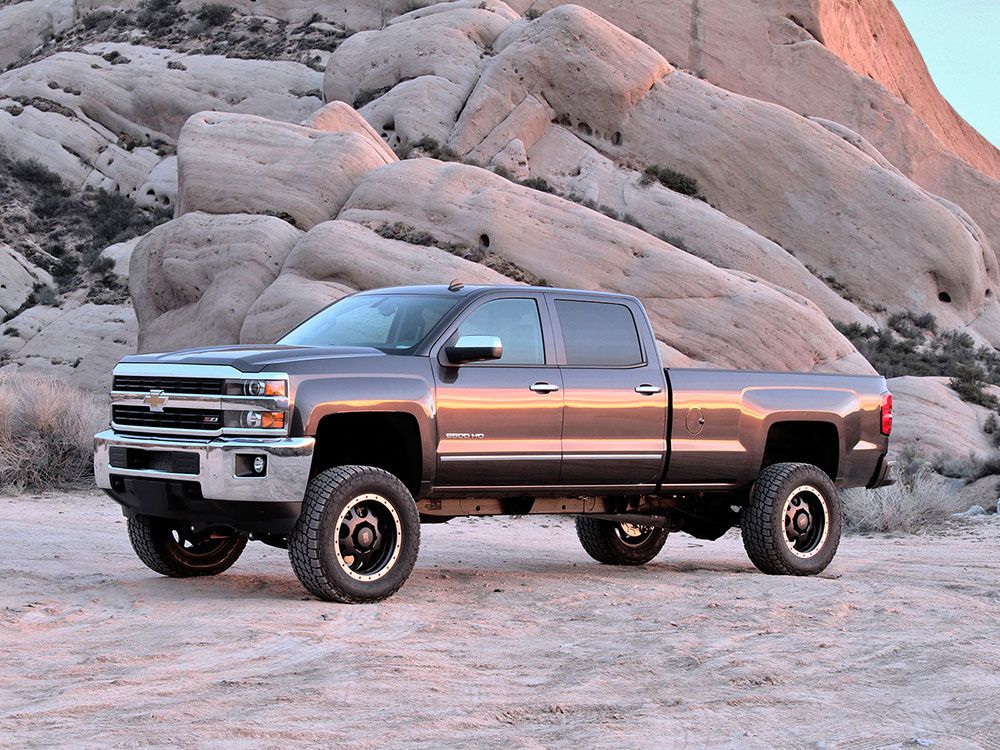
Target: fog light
{"type": "Point", "coordinates": [259, 465]}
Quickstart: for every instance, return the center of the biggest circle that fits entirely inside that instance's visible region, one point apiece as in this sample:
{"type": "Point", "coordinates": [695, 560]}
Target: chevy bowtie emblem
{"type": "Point", "coordinates": [155, 400]}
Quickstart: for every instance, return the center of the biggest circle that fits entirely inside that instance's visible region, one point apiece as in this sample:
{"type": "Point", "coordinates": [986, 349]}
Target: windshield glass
{"type": "Point", "coordinates": [393, 323]}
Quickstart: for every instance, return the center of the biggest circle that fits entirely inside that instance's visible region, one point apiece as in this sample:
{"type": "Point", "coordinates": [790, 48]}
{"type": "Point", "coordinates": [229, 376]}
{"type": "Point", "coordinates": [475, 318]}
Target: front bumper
{"type": "Point", "coordinates": [288, 464]}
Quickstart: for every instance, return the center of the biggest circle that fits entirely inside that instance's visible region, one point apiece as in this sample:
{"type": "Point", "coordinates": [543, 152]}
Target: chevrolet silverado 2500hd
{"type": "Point", "coordinates": [396, 407]}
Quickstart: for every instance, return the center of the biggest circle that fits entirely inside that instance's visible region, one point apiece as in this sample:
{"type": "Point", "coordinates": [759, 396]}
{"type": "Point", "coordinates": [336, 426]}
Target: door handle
{"type": "Point", "coordinates": [648, 390]}
{"type": "Point", "coordinates": [543, 388]}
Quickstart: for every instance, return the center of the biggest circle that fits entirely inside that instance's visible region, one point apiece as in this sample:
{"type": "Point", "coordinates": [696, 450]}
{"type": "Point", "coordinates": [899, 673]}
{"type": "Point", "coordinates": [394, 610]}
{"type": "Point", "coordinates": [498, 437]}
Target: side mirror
{"type": "Point", "coordinates": [474, 349]}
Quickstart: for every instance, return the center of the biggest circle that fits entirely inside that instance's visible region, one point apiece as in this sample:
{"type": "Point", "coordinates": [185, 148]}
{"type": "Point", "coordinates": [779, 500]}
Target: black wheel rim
{"type": "Point", "coordinates": [806, 520]}
{"type": "Point", "coordinates": [194, 544]}
{"type": "Point", "coordinates": [633, 535]}
{"type": "Point", "coordinates": [369, 536]}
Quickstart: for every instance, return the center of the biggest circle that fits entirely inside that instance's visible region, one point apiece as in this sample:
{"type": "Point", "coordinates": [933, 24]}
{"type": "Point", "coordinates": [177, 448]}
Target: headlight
{"type": "Point", "coordinates": [256, 420]}
{"type": "Point", "coordinates": [257, 388]}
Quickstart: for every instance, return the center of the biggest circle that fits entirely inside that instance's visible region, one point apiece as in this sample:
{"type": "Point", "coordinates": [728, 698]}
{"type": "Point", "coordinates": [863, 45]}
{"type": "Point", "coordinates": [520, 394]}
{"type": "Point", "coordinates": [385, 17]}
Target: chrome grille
{"type": "Point", "coordinates": [144, 384]}
{"type": "Point", "coordinates": [169, 418]}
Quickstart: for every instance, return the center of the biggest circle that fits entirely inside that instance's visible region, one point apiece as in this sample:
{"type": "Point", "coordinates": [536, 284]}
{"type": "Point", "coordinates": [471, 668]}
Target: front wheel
{"type": "Point", "coordinates": [357, 538]}
{"type": "Point", "coordinates": [179, 550]}
{"type": "Point", "coordinates": [615, 543]}
{"type": "Point", "coordinates": [793, 521]}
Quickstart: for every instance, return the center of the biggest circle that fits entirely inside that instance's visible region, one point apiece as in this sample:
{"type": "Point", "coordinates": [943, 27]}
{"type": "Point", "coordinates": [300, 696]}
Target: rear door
{"type": "Point", "coordinates": [614, 418]}
{"type": "Point", "coordinates": [500, 422]}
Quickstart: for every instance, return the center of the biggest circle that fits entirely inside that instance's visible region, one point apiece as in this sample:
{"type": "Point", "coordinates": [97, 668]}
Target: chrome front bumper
{"type": "Point", "coordinates": [288, 464]}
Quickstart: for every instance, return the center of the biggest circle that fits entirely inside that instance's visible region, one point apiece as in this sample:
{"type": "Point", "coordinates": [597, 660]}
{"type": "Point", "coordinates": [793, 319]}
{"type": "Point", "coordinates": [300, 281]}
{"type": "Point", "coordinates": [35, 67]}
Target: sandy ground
{"type": "Point", "coordinates": [506, 635]}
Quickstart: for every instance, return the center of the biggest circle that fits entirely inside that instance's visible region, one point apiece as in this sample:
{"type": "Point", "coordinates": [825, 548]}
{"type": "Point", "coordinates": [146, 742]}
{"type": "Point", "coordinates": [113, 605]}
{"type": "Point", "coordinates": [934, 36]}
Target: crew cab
{"type": "Point", "coordinates": [395, 407]}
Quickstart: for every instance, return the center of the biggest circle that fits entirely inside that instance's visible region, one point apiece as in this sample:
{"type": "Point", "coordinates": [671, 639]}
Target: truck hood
{"type": "Point", "coordinates": [255, 358]}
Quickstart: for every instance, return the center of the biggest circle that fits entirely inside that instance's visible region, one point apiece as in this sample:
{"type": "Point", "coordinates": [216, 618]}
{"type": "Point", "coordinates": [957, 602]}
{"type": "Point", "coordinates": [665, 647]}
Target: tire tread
{"type": "Point", "coordinates": [757, 523]}
{"type": "Point", "coordinates": [304, 543]}
{"type": "Point", "coordinates": [598, 540]}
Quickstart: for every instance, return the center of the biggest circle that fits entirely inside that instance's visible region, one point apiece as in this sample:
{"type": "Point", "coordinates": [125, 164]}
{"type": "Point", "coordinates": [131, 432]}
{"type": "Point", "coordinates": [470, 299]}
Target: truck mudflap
{"type": "Point", "coordinates": [885, 473]}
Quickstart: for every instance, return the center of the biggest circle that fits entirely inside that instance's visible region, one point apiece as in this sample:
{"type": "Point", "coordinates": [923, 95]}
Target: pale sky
{"type": "Point", "coordinates": [960, 42]}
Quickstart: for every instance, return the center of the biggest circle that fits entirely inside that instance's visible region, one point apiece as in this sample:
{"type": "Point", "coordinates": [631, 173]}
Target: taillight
{"type": "Point", "coordinates": [886, 413]}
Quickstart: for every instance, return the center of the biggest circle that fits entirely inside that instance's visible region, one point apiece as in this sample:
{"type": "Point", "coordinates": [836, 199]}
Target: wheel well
{"type": "Point", "coordinates": [386, 440]}
{"type": "Point", "coordinates": [816, 443]}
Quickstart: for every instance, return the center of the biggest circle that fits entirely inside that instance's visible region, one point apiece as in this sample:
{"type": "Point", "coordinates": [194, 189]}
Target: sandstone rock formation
{"type": "Point", "coordinates": [78, 344]}
{"type": "Point", "coordinates": [194, 278]}
{"type": "Point", "coordinates": [100, 122]}
{"type": "Point", "coordinates": [298, 173]}
{"type": "Point", "coordinates": [572, 246]}
{"type": "Point", "coordinates": [26, 25]}
{"type": "Point", "coordinates": [932, 419]}
{"type": "Point", "coordinates": [18, 278]}
{"type": "Point", "coordinates": [570, 87]}
{"type": "Point", "coordinates": [340, 257]}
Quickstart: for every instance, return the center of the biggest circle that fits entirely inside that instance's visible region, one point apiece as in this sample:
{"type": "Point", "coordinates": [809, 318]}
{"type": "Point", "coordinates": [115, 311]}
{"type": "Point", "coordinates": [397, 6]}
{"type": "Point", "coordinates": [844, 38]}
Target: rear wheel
{"type": "Point", "coordinates": [357, 537]}
{"type": "Point", "coordinates": [179, 550]}
{"type": "Point", "coordinates": [616, 543]}
{"type": "Point", "coordinates": [793, 522]}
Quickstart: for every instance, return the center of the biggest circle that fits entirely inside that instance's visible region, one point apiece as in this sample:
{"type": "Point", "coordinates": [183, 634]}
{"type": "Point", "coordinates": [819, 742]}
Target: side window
{"type": "Point", "coordinates": [518, 325]}
{"type": "Point", "coordinates": [598, 334]}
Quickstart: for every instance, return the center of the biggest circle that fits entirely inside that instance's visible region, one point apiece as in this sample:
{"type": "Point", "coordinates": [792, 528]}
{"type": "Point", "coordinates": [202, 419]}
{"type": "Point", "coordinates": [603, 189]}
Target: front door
{"type": "Point", "coordinates": [500, 422]}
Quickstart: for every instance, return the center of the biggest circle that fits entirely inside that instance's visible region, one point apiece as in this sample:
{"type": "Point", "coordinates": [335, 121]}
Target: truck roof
{"type": "Point", "coordinates": [467, 290]}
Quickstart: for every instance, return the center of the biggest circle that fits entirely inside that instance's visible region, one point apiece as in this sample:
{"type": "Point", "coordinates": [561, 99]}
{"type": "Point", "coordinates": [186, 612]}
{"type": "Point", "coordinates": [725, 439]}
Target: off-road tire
{"type": "Point", "coordinates": [312, 545]}
{"type": "Point", "coordinates": [154, 543]}
{"type": "Point", "coordinates": [603, 541]}
{"type": "Point", "coordinates": [763, 520]}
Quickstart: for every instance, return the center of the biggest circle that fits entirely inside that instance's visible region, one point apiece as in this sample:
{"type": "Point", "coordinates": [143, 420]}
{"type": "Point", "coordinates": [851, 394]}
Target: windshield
{"type": "Point", "coordinates": [393, 323]}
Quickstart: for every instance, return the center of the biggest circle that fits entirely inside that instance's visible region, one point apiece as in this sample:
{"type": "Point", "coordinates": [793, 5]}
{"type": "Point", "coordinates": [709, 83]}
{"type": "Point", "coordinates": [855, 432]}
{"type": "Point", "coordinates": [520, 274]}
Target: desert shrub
{"type": "Point", "coordinates": [923, 501]}
{"type": "Point", "coordinates": [669, 178]}
{"type": "Point", "coordinates": [46, 433]}
{"type": "Point", "coordinates": [99, 20]}
{"type": "Point", "coordinates": [116, 218]}
{"type": "Point", "coordinates": [405, 233]}
{"type": "Point", "coordinates": [215, 14]}
{"type": "Point", "coordinates": [969, 387]}
{"type": "Point", "coordinates": [532, 13]}
{"type": "Point", "coordinates": [158, 15]}
{"type": "Point", "coordinates": [433, 149]}
{"type": "Point", "coordinates": [991, 427]}
{"type": "Point", "coordinates": [370, 95]}
{"type": "Point", "coordinates": [540, 184]}
{"type": "Point", "coordinates": [911, 344]}
{"type": "Point", "coordinates": [675, 240]}
{"type": "Point", "coordinates": [970, 468]}
{"type": "Point", "coordinates": [33, 172]}
{"type": "Point", "coordinates": [43, 294]}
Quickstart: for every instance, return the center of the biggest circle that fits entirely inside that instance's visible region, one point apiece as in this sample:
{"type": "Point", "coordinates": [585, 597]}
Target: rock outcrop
{"type": "Point", "coordinates": [300, 174]}
{"type": "Point", "coordinates": [194, 278]}
{"type": "Point", "coordinates": [930, 418]}
{"type": "Point", "coordinates": [103, 117]}
{"type": "Point", "coordinates": [340, 257]}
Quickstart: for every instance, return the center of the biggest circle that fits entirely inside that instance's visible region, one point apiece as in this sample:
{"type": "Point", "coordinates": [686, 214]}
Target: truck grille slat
{"type": "Point", "coordinates": [144, 384]}
{"type": "Point", "coordinates": [171, 418]}
{"type": "Point", "coordinates": [174, 462]}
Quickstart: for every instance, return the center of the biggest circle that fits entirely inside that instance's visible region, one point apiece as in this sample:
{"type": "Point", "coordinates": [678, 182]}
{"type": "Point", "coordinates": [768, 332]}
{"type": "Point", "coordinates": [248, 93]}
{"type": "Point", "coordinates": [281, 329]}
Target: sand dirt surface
{"type": "Point", "coordinates": [507, 635]}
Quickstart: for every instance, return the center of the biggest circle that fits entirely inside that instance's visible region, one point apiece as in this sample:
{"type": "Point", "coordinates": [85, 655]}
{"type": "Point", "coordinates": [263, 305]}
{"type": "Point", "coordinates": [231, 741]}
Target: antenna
{"type": "Point", "coordinates": [455, 285]}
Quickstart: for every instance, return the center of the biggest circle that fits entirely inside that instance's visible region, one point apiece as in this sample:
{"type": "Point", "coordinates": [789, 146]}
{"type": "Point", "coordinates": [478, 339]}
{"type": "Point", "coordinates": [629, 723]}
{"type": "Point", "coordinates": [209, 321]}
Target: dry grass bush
{"type": "Point", "coordinates": [46, 433]}
{"type": "Point", "coordinates": [918, 501]}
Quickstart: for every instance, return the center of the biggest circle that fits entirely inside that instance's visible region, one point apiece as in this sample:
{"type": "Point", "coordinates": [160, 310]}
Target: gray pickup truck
{"type": "Point", "coordinates": [396, 407]}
